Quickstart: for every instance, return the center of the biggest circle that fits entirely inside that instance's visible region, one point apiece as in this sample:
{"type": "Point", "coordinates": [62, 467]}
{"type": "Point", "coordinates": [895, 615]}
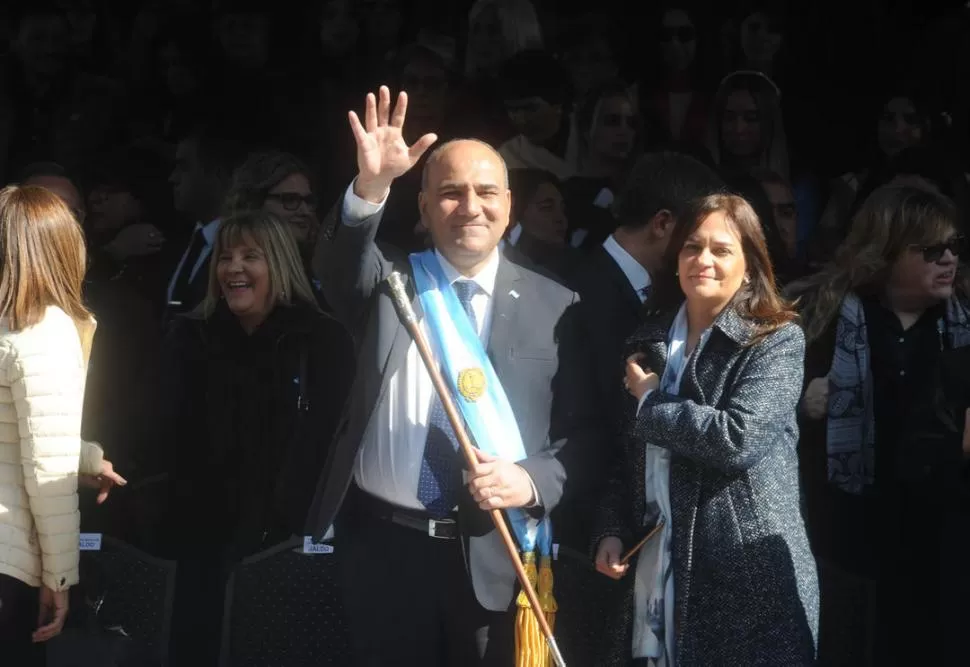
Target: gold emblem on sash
{"type": "Point", "coordinates": [471, 383]}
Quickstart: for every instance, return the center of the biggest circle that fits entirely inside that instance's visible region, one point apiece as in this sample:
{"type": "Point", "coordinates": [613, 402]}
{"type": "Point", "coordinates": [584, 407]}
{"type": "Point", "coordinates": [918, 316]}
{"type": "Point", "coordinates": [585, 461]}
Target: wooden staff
{"type": "Point", "coordinates": [410, 322]}
{"type": "Point", "coordinates": [639, 545]}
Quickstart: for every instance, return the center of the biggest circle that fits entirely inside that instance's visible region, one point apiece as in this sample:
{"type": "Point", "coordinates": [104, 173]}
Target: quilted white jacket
{"type": "Point", "coordinates": [42, 373]}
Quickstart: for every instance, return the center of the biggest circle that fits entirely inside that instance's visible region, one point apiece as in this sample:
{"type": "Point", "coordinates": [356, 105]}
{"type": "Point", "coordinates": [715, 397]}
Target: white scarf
{"type": "Point", "coordinates": [653, 627]}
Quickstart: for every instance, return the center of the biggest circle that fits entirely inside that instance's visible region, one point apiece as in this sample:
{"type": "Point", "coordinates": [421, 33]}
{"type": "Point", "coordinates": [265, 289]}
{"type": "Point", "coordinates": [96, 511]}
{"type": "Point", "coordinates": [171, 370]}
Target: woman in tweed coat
{"type": "Point", "coordinates": [729, 579]}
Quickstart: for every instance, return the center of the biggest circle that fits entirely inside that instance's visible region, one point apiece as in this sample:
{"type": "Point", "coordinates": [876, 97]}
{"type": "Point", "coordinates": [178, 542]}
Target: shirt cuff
{"type": "Point", "coordinates": [536, 500]}
{"type": "Point", "coordinates": [356, 210]}
{"type": "Point", "coordinates": [643, 399]}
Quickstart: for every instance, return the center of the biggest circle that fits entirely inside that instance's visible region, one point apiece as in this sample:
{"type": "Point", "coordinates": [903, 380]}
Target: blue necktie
{"type": "Point", "coordinates": [440, 480]}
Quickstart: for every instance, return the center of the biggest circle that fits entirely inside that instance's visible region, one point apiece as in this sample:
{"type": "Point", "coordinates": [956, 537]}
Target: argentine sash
{"type": "Point", "coordinates": [474, 386]}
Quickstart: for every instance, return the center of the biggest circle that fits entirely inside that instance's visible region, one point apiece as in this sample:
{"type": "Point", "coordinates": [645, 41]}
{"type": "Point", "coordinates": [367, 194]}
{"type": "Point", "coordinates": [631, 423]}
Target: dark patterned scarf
{"type": "Point", "coordinates": [851, 429]}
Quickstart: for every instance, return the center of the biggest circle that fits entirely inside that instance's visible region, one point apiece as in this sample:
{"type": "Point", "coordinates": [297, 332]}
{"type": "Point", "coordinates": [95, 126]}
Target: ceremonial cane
{"type": "Point", "coordinates": [410, 322]}
{"type": "Point", "coordinates": [639, 545]}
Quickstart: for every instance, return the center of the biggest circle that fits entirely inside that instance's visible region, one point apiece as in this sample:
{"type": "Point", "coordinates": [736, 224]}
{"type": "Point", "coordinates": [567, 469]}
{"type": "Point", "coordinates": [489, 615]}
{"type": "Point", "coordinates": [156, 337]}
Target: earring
{"type": "Point", "coordinates": [747, 280]}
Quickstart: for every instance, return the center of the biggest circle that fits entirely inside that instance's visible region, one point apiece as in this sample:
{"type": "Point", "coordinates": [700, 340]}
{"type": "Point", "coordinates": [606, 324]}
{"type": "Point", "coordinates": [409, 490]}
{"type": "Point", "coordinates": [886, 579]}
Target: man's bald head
{"type": "Point", "coordinates": [465, 202]}
{"type": "Point", "coordinates": [453, 144]}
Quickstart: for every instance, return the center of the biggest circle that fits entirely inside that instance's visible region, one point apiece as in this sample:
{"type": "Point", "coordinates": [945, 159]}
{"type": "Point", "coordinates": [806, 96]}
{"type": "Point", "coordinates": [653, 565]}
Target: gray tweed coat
{"type": "Point", "coordinates": [745, 580]}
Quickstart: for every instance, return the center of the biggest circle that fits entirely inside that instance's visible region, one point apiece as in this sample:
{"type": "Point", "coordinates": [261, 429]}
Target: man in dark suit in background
{"type": "Point", "coordinates": [204, 162]}
{"type": "Point", "coordinates": [613, 286]}
{"type": "Point", "coordinates": [425, 586]}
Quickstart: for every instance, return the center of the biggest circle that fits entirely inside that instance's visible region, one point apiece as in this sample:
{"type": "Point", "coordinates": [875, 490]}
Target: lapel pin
{"type": "Point", "coordinates": [514, 294]}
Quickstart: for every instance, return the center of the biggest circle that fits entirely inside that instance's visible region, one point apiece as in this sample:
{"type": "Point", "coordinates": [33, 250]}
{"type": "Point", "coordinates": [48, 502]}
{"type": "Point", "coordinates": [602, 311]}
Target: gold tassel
{"type": "Point", "coordinates": [548, 604]}
{"type": "Point", "coordinates": [530, 645]}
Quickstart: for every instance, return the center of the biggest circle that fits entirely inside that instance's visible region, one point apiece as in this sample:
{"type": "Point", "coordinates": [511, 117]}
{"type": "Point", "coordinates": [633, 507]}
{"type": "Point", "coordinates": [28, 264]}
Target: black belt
{"type": "Point", "coordinates": [442, 528]}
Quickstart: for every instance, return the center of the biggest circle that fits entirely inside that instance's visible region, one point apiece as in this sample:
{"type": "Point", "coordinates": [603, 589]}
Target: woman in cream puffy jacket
{"type": "Point", "coordinates": [45, 335]}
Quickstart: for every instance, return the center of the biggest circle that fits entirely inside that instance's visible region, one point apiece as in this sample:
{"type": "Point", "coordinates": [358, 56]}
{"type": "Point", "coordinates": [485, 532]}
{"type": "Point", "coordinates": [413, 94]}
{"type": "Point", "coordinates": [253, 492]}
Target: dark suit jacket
{"type": "Point", "coordinates": [533, 346]}
{"type": "Point", "coordinates": [609, 312]}
{"type": "Point", "coordinates": [745, 580]}
{"type": "Point", "coordinates": [191, 296]}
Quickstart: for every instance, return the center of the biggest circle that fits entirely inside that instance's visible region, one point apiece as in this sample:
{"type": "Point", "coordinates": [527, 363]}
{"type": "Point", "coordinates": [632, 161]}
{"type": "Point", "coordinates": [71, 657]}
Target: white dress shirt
{"type": "Point", "coordinates": [209, 231]}
{"type": "Point", "coordinates": [389, 462]}
{"type": "Point", "coordinates": [633, 270]}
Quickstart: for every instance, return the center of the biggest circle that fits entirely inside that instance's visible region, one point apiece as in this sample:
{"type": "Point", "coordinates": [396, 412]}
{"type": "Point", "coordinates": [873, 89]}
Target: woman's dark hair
{"type": "Point", "coordinates": [524, 183]}
{"type": "Point", "coordinates": [259, 174]}
{"type": "Point", "coordinates": [758, 300]}
{"type": "Point", "coordinates": [746, 185]}
{"type": "Point", "coordinates": [933, 165]}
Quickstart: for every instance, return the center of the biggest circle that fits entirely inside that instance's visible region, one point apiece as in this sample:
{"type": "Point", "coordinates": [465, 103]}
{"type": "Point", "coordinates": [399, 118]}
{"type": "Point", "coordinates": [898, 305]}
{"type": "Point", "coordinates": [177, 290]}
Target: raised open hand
{"type": "Point", "coordinates": [382, 153]}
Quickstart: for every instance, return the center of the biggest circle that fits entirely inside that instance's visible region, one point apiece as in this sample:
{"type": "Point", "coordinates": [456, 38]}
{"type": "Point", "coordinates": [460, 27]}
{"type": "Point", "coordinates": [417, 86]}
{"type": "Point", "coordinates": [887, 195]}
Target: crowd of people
{"type": "Point", "coordinates": [691, 301]}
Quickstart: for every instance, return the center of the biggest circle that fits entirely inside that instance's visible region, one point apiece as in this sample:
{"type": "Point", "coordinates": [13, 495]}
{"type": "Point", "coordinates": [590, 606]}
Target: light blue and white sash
{"type": "Point", "coordinates": [489, 417]}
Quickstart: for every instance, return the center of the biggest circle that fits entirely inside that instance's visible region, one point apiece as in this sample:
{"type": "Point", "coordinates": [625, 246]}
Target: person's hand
{"type": "Point", "coordinates": [815, 402]}
{"type": "Point", "coordinates": [53, 613]}
{"type": "Point", "coordinates": [496, 484]}
{"type": "Point", "coordinates": [638, 380]}
{"type": "Point", "coordinates": [104, 481]}
{"type": "Point", "coordinates": [382, 153]}
{"type": "Point", "coordinates": [608, 556]}
{"type": "Point", "coordinates": [135, 240]}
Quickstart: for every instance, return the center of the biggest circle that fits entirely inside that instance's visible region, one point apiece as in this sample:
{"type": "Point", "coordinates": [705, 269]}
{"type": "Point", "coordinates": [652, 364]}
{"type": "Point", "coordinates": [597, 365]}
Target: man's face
{"type": "Point", "coordinates": [465, 203]}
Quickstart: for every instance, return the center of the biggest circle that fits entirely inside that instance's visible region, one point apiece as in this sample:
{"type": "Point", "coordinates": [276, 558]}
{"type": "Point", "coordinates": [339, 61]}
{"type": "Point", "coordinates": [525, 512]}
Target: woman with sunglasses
{"type": "Point", "coordinates": [882, 425]}
{"type": "Point", "coordinates": [281, 184]}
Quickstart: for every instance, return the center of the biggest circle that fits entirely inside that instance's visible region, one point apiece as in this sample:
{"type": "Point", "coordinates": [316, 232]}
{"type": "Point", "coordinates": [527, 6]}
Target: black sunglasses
{"type": "Point", "coordinates": [934, 253]}
{"type": "Point", "coordinates": [291, 201]}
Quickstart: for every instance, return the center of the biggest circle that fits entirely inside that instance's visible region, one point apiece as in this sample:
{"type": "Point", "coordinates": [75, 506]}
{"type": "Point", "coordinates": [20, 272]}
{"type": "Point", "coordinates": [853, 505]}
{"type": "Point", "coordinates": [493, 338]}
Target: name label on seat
{"type": "Point", "coordinates": [90, 541]}
{"type": "Point", "coordinates": [310, 548]}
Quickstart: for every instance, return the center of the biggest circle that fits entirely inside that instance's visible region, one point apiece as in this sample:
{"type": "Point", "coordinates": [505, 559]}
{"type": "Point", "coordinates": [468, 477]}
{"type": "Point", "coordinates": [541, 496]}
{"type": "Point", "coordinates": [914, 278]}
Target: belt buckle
{"type": "Point", "coordinates": [433, 528]}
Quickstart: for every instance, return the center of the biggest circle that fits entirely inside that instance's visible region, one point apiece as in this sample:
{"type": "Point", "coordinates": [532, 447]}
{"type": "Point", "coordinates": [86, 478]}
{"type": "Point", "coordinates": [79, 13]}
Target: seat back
{"type": "Point", "coordinates": [284, 607]}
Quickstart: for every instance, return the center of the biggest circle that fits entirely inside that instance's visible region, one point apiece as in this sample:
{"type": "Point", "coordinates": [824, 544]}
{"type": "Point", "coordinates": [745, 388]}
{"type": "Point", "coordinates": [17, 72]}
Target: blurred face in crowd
{"type": "Point", "coordinates": [384, 22]}
{"type": "Point", "coordinates": [486, 39]}
{"type": "Point", "coordinates": [110, 208]}
{"type": "Point", "coordinates": [711, 264]}
{"type": "Point", "coordinates": [741, 125]}
{"type": "Point", "coordinates": [591, 64]}
{"type": "Point", "coordinates": [899, 126]}
{"type": "Point", "coordinates": [544, 217]}
{"type": "Point", "coordinates": [178, 74]}
{"type": "Point", "coordinates": [535, 118]}
{"type": "Point", "coordinates": [786, 216]}
{"type": "Point", "coordinates": [244, 38]}
{"type": "Point", "coordinates": [678, 40]}
{"type": "Point", "coordinates": [192, 188]}
{"type": "Point", "coordinates": [292, 201]}
{"type": "Point", "coordinates": [243, 275]}
{"type": "Point", "coordinates": [42, 43]}
{"type": "Point", "coordinates": [465, 203]}
{"type": "Point", "coordinates": [760, 39]}
{"type": "Point", "coordinates": [426, 82]}
{"type": "Point", "coordinates": [923, 274]}
{"type": "Point", "coordinates": [614, 128]}
{"type": "Point", "coordinates": [339, 28]}
{"type": "Point", "coordinates": [63, 188]}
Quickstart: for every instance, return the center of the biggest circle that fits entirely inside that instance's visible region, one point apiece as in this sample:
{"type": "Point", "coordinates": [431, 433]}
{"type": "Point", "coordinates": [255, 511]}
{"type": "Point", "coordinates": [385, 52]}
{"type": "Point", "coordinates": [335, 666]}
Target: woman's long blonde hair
{"type": "Point", "coordinates": [43, 258]}
{"type": "Point", "coordinates": [288, 283]}
{"type": "Point", "coordinates": [892, 219]}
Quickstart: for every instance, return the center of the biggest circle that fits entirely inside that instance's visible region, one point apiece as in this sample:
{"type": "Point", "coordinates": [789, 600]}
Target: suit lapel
{"type": "Point", "coordinates": [401, 339]}
{"type": "Point", "coordinates": [630, 296]}
{"type": "Point", "coordinates": [505, 306]}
